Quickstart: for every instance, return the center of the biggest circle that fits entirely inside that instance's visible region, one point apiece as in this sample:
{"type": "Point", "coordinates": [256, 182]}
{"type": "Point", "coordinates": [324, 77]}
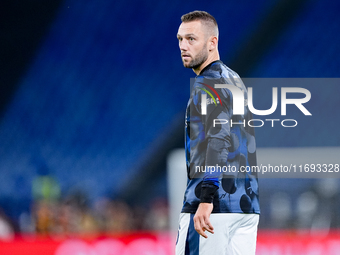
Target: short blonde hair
{"type": "Point", "coordinates": [207, 20]}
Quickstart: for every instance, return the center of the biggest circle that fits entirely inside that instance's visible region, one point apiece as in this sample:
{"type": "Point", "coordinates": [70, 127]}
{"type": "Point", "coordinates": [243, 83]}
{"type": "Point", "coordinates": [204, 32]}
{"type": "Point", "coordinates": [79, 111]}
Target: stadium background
{"type": "Point", "coordinates": [93, 95]}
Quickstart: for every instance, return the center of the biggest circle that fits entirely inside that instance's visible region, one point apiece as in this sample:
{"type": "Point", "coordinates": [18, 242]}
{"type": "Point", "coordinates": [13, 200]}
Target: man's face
{"type": "Point", "coordinates": [192, 43]}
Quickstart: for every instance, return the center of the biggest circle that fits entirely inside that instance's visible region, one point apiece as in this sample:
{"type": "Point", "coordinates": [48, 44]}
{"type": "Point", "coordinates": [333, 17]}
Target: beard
{"type": "Point", "coordinates": [198, 60]}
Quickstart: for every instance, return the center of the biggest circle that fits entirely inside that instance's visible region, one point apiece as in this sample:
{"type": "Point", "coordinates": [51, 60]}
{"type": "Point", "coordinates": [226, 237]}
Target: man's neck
{"type": "Point", "coordinates": [210, 59]}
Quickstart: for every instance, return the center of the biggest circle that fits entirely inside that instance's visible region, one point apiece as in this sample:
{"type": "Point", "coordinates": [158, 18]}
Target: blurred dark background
{"type": "Point", "coordinates": [93, 95]}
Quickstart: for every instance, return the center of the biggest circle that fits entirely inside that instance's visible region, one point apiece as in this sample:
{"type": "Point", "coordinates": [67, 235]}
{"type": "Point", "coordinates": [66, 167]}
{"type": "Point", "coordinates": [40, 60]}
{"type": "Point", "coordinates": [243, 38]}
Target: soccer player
{"type": "Point", "coordinates": [221, 210]}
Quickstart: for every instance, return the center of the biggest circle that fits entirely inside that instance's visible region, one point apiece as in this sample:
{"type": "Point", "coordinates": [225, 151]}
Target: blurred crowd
{"type": "Point", "coordinates": [54, 214]}
{"type": "Point", "coordinates": [73, 217]}
{"type": "Point", "coordinates": [314, 209]}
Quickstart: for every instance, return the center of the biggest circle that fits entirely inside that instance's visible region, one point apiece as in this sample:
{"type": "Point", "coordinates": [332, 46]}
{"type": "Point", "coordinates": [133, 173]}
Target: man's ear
{"type": "Point", "coordinates": [212, 43]}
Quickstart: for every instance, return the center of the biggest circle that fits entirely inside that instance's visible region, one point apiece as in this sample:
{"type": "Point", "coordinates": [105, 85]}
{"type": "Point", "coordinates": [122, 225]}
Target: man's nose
{"type": "Point", "coordinates": [183, 45]}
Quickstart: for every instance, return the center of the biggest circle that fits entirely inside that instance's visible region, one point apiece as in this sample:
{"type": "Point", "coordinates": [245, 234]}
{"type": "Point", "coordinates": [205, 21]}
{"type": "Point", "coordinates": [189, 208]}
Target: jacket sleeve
{"type": "Point", "coordinates": [216, 124]}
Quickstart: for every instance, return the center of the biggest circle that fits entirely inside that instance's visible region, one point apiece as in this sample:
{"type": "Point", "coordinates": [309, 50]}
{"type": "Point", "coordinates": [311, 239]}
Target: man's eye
{"type": "Point", "coordinates": [191, 39]}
